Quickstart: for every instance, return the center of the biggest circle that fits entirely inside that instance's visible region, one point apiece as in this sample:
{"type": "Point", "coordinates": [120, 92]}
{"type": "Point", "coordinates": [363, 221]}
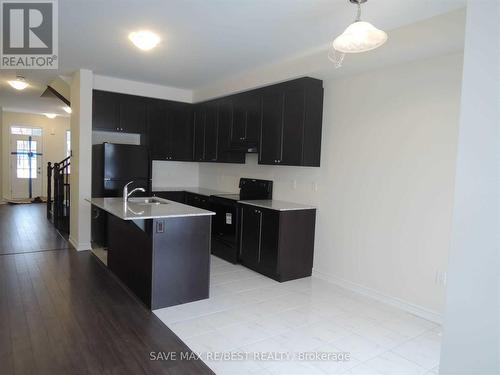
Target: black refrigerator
{"type": "Point", "coordinates": [113, 166]}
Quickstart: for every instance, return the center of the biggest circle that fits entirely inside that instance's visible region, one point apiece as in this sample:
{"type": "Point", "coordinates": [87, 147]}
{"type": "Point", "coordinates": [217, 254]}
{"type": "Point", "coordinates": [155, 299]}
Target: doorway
{"type": "Point", "coordinates": [26, 162]}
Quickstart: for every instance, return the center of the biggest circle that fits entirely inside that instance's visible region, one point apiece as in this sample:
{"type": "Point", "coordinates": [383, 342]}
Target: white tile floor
{"type": "Point", "coordinates": [250, 313]}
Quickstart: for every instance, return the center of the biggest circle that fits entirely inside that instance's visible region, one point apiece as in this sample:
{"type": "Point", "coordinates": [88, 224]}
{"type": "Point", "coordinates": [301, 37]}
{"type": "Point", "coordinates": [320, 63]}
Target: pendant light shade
{"type": "Point", "coordinates": [359, 37]}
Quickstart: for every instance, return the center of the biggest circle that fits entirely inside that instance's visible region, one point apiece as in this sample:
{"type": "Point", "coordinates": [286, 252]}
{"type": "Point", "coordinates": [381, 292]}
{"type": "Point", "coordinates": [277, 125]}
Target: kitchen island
{"type": "Point", "coordinates": [159, 249]}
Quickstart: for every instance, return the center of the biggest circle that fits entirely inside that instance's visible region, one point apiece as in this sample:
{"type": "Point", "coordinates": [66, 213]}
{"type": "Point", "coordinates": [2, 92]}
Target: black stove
{"type": "Point", "coordinates": [225, 224]}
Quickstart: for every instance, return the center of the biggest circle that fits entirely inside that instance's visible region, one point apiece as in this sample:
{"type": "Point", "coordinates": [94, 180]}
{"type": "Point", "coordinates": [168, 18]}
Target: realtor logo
{"type": "Point", "coordinates": [29, 34]}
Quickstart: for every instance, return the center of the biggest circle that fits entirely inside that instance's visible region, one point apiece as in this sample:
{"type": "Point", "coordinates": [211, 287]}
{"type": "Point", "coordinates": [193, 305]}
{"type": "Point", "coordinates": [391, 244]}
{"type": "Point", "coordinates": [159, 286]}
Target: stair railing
{"type": "Point", "coordinates": [58, 206]}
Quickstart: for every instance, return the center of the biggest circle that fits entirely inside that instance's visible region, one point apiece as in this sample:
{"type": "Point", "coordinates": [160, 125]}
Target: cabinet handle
{"type": "Point", "coordinates": [241, 232]}
{"type": "Point", "coordinates": [260, 234]}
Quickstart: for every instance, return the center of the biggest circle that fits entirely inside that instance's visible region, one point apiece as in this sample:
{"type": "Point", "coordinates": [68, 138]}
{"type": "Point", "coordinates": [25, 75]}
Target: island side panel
{"type": "Point", "coordinates": [130, 254]}
{"type": "Point", "coordinates": [181, 260]}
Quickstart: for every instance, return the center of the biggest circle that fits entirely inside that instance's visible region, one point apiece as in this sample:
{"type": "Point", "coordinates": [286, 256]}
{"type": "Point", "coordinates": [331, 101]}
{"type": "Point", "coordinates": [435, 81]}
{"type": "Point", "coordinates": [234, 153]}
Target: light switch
{"type": "Point", "coordinates": [160, 226]}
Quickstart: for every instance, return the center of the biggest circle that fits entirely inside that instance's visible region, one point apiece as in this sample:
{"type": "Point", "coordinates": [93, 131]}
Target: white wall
{"type": "Point", "coordinates": [175, 174]}
{"type": "Point", "coordinates": [54, 143]}
{"type": "Point", "coordinates": [81, 166]}
{"type": "Point", "coordinates": [150, 90]}
{"type": "Point", "coordinates": [385, 186]}
{"type": "Point", "coordinates": [471, 341]}
{"type": "Point", "coordinates": [99, 137]}
{"type": "Point", "coordinates": [1, 156]}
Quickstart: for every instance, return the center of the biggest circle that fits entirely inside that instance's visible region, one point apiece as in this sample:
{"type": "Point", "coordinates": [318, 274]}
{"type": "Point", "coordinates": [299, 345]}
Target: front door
{"type": "Point", "coordinates": [26, 166]}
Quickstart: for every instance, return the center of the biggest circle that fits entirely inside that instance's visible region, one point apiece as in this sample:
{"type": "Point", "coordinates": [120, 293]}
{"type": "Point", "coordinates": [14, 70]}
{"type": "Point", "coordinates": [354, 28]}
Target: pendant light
{"type": "Point", "coordinates": [359, 36]}
{"type": "Point", "coordinates": [19, 83]}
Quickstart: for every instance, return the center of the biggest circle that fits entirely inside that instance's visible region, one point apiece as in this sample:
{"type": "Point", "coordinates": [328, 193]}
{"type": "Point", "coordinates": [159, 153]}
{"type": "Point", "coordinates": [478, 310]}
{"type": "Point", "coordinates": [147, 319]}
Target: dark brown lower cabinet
{"type": "Point", "coordinates": [164, 262]}
{"type": "Point", "coordinates": [197, 200]}
{"type": "Point", "coordinates": [278, 244]}
{"type": "Point", "coordinates": [176, 196]}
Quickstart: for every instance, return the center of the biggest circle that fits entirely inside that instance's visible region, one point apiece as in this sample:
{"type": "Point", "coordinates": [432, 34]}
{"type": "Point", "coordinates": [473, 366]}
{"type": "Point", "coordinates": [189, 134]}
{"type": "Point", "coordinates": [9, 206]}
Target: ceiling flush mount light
{"type": "Point", "coordinates": [19, 83]}
{"type": "Point", "coordinates": [50, 115]}
{"type": "Point", "coordinates": [144, 40]}
{"type": "Point", "coordinates": [360, 36]}
{"type": "Point", "coordinates": [67, 109]}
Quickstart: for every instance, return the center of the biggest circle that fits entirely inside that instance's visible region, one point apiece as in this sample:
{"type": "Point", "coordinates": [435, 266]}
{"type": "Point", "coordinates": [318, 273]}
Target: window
{"type": "Point", "coordinates": [68, 147]}
{"type": "Point", "coordinates": [19, 130]}
{"type": "Point", "coordinates": [24, 156]}
{"type": "Point", "coordinates": [68, 143]}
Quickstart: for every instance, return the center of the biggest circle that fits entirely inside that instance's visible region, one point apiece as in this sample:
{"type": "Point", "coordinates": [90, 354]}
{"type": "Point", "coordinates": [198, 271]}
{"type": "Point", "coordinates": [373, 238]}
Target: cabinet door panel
{"type": "Point", "coordinates": [254, 116]}
{"type": "Point", "coordinates": [197, 200]}
{"type": "Point", "coordinates": [158, 131]}
{"type": "Point", "coordinates": [251, 221]}
{"type": "Point", "coordinates": [239, 123]}
{"type": "Point", "coordinates": [211, 141]}
{"type": "Point", "coordinates": [269, 242]}
{"type": "Point", "coordinates": [182, 133]}
{"type": "Point", "coordinates": [272, 123]}
{"type": "Point", "coordinates": [293, 127]}
{"type": "Point", "coordinates": [132, 114]}
{"type": "Point", "coordinates": [105, 111]}
{"type": "Point", "coordinates": [225, 122]}
{"type": "Point", "coordinates": [199, 134]}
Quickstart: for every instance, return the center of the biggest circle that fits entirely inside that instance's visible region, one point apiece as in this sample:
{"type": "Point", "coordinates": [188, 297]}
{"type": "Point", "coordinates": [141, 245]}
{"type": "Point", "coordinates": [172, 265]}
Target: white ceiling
{"type": "Point", "coordinates": [203, 41]}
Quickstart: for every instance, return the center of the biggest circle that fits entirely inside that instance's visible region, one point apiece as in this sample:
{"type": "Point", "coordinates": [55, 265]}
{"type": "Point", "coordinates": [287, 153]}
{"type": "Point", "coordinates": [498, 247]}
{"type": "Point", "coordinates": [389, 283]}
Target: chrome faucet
{"type": "Point", "coordinates": [126, 194]}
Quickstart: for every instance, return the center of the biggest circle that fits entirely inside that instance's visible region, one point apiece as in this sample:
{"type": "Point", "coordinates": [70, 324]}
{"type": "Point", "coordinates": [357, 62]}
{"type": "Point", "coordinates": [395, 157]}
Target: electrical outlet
{"type": "Point", "coordinates": [440, 278]}
{"type": "Point", "coordinates": [294, 184]}
{"type": "Point", "coordinates": [315, 186]}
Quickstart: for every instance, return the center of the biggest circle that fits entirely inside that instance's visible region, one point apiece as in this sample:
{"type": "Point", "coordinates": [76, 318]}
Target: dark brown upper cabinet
{"type": "Point", "coordinates": [132, 114]}
{"type": "Point", "coordinates": [170, 133]}
{"type": "Point", "coordinates": [159, 131]}
{"type": "Point", "coordinates": [105, 111]}
{"type": "Point", "coordinates": [199, 118]}
{"type": "Point", "coordinates": [225, 118]}
{"type": "Point", "coordinates": [291, 123]}
{"type": "Point", "coordinates": [180, 116]}
{"type": "Point", "coordinates": [211, 132]}
{"type": "Point", "coordinates": [118, 112]}
{"type": "Point", "coordinates": [271, 136]}
{"type": "Point", "coordinates": [247, 119]}
{"type": "Point", "coordinates": [282, 122]}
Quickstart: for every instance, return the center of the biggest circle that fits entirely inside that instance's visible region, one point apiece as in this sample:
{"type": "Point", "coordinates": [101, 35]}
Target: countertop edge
{"type": "Point", "coordinates": [305, 208]}
{"type": "Point", "coordinates": [151, 217]}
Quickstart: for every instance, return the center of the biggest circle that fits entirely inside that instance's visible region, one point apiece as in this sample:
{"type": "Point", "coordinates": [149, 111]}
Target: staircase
{"type": "Point", "coordinates": [58, 194]}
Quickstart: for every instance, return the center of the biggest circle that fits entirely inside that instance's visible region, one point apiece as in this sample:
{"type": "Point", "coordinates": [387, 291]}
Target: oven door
{"type": "Point", "coordinates": [224, 229]}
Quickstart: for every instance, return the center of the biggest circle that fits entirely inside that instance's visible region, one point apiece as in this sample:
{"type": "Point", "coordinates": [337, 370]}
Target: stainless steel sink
{"type": "Point", "coordinates": [148, 201]}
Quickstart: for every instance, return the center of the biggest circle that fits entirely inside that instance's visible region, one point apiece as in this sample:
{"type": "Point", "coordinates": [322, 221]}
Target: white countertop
{"type": "Point", "coordinates": [134, 211]}
{"type": "Point", "coordinates": [272, 204]}
{"type": "Point", "coordinates": [195, 190]}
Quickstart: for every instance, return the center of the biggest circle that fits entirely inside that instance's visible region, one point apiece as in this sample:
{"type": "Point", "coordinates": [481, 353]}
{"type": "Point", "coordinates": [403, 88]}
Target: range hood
{"type": "Point", "coordinates": [244, 146]}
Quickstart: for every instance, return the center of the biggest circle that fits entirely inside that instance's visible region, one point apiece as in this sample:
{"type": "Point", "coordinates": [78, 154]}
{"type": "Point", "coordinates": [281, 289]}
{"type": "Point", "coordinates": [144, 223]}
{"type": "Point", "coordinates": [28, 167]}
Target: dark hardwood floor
{"type": "Point", "coordinates": [63, 312]}
{"type": "Point", "coordinates": [24, 228]}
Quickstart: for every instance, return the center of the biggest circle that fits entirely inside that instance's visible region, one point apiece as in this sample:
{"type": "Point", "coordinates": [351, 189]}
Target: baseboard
{"type": "Point", "coordinates": [417, 310]}
{"type": "Point", "coordinates": [79, 246]}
